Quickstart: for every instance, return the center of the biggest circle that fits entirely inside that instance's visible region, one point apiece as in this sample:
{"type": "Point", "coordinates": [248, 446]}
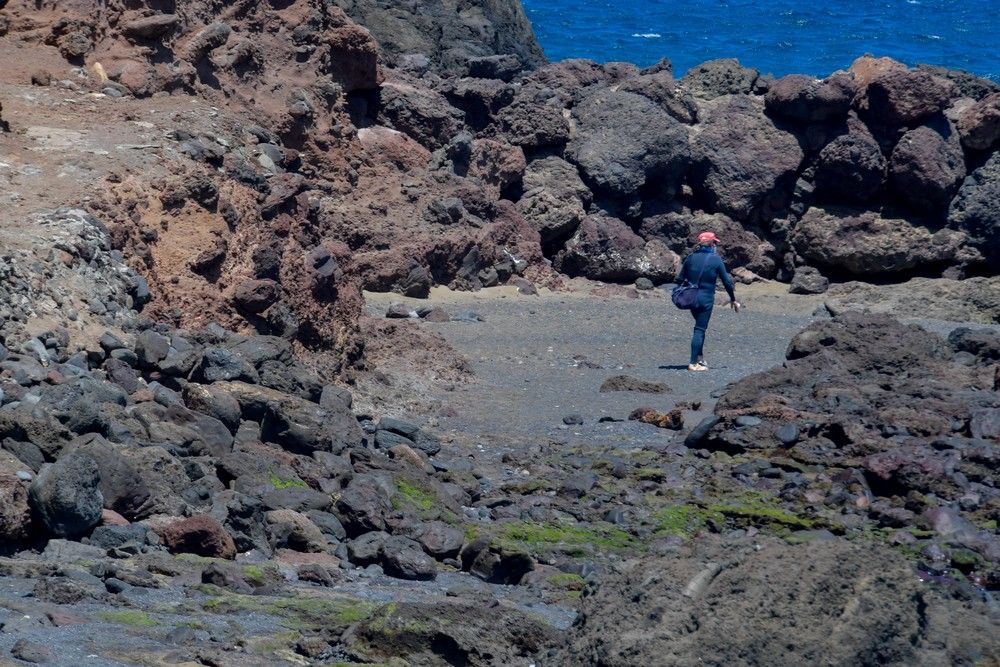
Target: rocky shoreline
{"type": "Point", "coordinates": [202, 459]}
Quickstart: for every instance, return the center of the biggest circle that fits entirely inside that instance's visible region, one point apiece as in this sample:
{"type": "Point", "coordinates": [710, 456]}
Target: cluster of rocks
{"type": "Point", "coordinates": [72, 275]}
{"type": "Point", "coordinates": [900, 424]}
{"type": "Point", "coordinates": [215, 444]}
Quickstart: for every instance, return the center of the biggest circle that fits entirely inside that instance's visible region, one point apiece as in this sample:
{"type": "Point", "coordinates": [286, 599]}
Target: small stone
{"type": "Point", "coordinates": [788, 434]}
{"type": "Point", "coordinates": [643, 284]}
{"type": "Point", "coordinates": [572, 420]}
{"type": "Point", "coordinates": [115, 585]}
{"type": "Point", "coordinates": [399, 311]}
{"type": "Point", "coordinates": [31, 652]}
{"type": "Point", "coordinates": [747, 420]}
{"type": "Point", "coordinates": [808, 280]}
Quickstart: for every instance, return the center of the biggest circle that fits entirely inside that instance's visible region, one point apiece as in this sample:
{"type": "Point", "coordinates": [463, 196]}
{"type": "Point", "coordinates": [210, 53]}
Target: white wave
{"type": "Point", "coordinates": [647, 35]}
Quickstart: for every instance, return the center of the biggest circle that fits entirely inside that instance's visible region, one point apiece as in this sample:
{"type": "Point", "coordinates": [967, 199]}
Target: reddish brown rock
{"type": "Point", "coordinates": [15, 513]}
{"type": "Point", "coordinates": [201, 535]}
{"type": "Point", "coordinates": [804, 98]}
{"type": "Point", "coordinates": [256, 296]}
{"type": "Point", "coordinates": [979, 125]}
{"type": "Point", "coordinates": [891, 95]}
{"type": "Point", "coordinates": [113, 518]}
{"type": "Point", "coordinates": [927, 166]}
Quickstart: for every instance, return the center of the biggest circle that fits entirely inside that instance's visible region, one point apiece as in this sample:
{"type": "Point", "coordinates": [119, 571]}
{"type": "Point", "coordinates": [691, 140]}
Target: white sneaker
{"type": "Point", "coordinates": [698, 368]}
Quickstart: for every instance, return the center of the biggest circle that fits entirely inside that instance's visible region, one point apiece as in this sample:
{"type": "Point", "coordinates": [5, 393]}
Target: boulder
{"type": "Point", "coordinates": [623, 142]}
{"type": "Point", "coordinates": [851, 167]}
{"type": "Point", "coordinates": [969, 85]}
{"type": "Point", "coordinates": [289, 529]}
{"type": "Point", "coordinates": [213, 401]}
{"type": "Point", "coordinates": [743, 164]}
{"type": "Point", "coordinates": [534, 119]}
{"type": "Point", "coordinates": [976, 210]}
{"type": "Point", "coordinates": [891, 95]}
{"type": "Point", "coordinates": [364, 504]}
{"type": "Point", "coordinates": [151, 348]}
{"type": "Point", "coordinates": [15, 512]}
{"type": "Point", "coordinates": [572, 77]}
{"type": "Point", "coordinates": [66, 497]}
{"type": "Point", "coordinates": [256, 296]}
{"type": "Point", "coordinates": [419, 112]}
{"type": "Point", "coordinates": [294, 423]}
{"type": "Point", "coordinates": [439, 539]}
{"type": "Point", "coordinates": [715, 78]}
{"type": "Point", "coordinates": [865, 243]}
{"type": "Point", "coordinates": [218, 364]}
{"type": "Point", "coordinates": [366, 549]}
{"type": "Point", "coordinates": [803, 98]}
{"type": "Point", "coordinates": [808, 280]}
{"type": "Point", "coordinates": [404, 558]}
{"type": "Point", "coordinates": [502, 66]}
{"type": "Point", "coordinates": [979, 124]}
{"type": "Point", "coordinates": [605, 248]}
{"type": "Point", "coordinates": [163, 475]}
{"type": "Point", "coordinates": [480, 99]}
{"type": "Point", "coordinates": [201, 535]}
{"type": "Point", "coordinates": [710, 609]}
{"type": "Point", "coordinates": [663, 89]}
{"type": "Point", "coordinates": [121, 485]}
{"type": "Point", "coordinates": [927, 166]}
{"type": "Point", "coordinates": [179, 428]}
{"type": "Point", "coordinates": [496, 164]}
{"type": "Point", "coordinates": [149, 27]}
{"type": "Point", "coordinates": [555, 199]}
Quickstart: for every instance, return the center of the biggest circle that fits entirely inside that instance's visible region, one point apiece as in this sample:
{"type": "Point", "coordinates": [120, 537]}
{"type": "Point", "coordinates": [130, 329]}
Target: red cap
{"type": "Point", "coordinates": [707, 237]}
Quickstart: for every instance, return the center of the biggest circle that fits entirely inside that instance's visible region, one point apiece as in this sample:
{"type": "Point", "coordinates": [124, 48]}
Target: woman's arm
{"type": "Point", "coordinates": [727, 281]}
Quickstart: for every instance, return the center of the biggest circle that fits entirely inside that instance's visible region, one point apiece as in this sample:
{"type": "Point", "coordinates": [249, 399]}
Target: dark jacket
{"type": "Point", "coordinates": [714, 269]}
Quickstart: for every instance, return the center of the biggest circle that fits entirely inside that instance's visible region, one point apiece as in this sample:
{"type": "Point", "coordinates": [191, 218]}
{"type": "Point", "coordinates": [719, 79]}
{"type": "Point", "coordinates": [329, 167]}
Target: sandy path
{"type": "Point", "coordinates": [527, 357]}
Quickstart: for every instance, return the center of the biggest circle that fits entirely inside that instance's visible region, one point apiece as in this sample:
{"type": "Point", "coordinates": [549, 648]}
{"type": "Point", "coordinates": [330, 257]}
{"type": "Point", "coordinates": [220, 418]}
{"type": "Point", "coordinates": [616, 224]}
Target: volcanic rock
{"type": "Point", "coordinates": [743, 164]}
{"type": "Point", "coordinates": [623, 142]}
{"type": "Point", "coordinates": [715, 78]}
{"type": "Point", "coordinates": [66, 497]}
{"type": "Point", "coordinates": [555, 198]}
{"type": "Point", "coordinates": [979, 124]}
{"type": "Point", "coordinates": [628, 383]}
{"type": "Point", "coordinates": [927, 166]}
{"type": "Point", "coordinates": [419, 112]}
{"type": "Point", "coordinates": [405, 559]}
{"type": "Point", "coordinates": [534, 119]}
{"type": "Point", "coordinates": [976, 210]}
{"type": "Point", "coordinates": [15, 513]}
{"type": "Point", "coordinates": [201, 535]}
{"type": "Point", "coordinates": [121, 486]}
{"type": "Point", "coordinates": [449, 39]}
{"type": "Point", "coordinates": [808, 280]}
{"type": "Point", "coordinates": [889, 94]}
{"type": "Point", "coordinates": [851, 167]}
{"type": "Point", "coordinates": [663, 89]}
{"type": "Point", "coordinates": [866, 243]}
{"type": "Point", "coordinates": [607, 249]}
{"type": "Point", "coordinates": [717, 587]}
{"type": "Point", "coordinates": [803, 98]}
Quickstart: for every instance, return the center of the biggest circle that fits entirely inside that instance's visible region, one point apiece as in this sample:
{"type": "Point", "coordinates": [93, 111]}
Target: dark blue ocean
{"type": "Point", "coordinates": [778, 36]}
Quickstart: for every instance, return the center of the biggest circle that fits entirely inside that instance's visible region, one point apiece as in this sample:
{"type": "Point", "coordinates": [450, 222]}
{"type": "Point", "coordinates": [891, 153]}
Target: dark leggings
{"type": "Point", "coordinates": [701, 318]}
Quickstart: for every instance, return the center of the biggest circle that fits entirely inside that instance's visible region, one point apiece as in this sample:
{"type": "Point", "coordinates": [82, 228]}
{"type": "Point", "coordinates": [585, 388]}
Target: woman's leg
{"type": "Point", "coordinates": [701, 318]}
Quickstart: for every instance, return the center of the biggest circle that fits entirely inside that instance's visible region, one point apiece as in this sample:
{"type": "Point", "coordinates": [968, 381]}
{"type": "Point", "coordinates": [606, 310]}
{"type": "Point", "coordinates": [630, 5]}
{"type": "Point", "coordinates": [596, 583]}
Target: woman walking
{"type": "Point", "coordinates": [703, 268]}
